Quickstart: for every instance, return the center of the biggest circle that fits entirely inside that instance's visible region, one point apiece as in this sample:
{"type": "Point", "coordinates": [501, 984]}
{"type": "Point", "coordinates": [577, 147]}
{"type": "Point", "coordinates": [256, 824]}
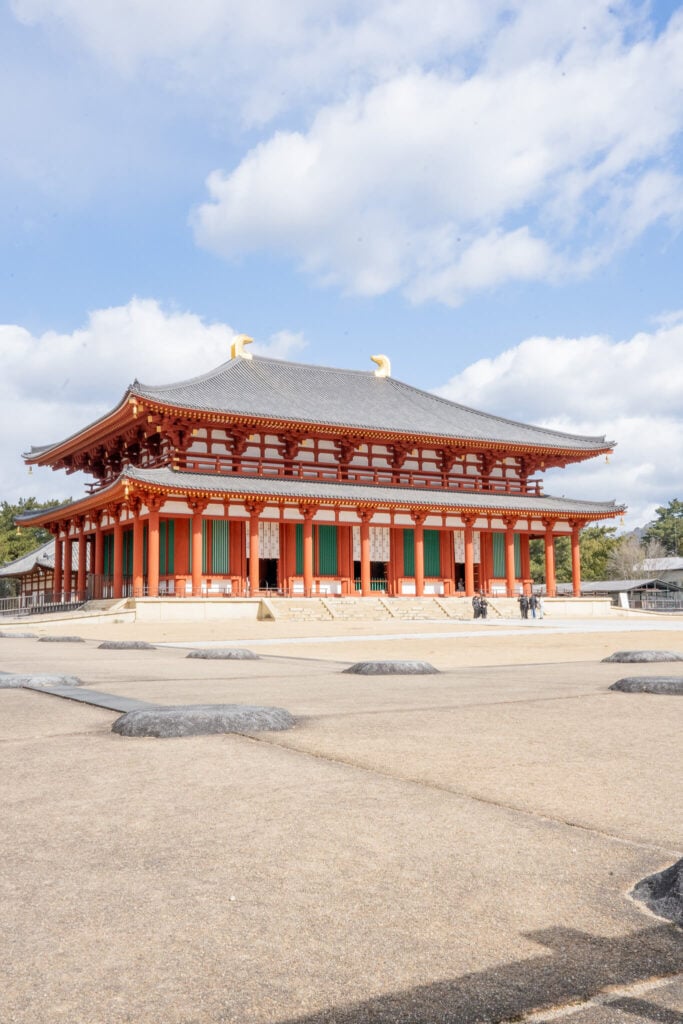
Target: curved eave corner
{"type": "Point", "coordinates": [43, 455]}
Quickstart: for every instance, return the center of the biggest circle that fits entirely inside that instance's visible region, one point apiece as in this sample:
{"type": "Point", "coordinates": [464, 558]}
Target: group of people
{"type": "Point", "coordinates": [531, 604]}
{"type": "Point", "coordinates": [480, 606]}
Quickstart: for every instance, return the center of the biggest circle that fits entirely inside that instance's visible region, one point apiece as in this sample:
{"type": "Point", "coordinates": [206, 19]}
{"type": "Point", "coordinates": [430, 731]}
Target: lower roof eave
{"type": "Point", "coordinates": [296, 491]}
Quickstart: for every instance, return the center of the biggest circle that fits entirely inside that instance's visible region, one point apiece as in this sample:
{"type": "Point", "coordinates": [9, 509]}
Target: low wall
{"type": "Point", "coordinates": [579, 607]}
{"type": "Point", "coordinates": [199, 609]}
{"type": "Point", "coordinates": [559, 607]}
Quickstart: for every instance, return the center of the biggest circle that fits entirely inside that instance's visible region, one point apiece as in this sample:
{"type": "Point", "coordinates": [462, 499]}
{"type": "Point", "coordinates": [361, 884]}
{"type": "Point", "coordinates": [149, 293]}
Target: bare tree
{"type": "Point", "coordinates": [625, 562]}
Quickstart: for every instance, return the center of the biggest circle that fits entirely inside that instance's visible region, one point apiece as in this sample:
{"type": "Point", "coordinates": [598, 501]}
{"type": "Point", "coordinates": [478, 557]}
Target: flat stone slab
{"type": "Point", "coordinates": [627, 657]}
{"type": "Point", "coordinates": [8, 681]}
{"type": "Point", "coordinates": [18, 636]}
{"type": "Point", "coordinates": [125, 645]}
{"type": "Point", "coordinates": [202, 720]}
{"type": "Point", "coordinates": [392, 668]}
{"type": "Point", "coordinates": [61, 640]}
{"type": "Point", "coordinates": [670, 685]}
{"type": "Point", "coordinates": [221, 653]}
{"type": "Point", "coordinates": [662, 893]}
{"type": "Point", "coordinates": [108, 701]}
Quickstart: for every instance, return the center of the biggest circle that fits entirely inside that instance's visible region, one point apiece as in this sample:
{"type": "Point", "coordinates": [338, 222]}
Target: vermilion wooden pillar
{"type": "Point", "coordinates": [237, 550]}
{"type": "Point", "coordinates": [418, 519]}
{"type": "Point", "coordinates": [138, 582]}
{"type": "Point", "coordinates": [254, 553]}
{"type": "Point", "coordinates": [153, 549]}
{"type": "Point", "coordinates": [365, 515]}
{"type": "Point", "coordinates": [117, 588]}
{"type": "Point", "coordinates": [395, 569]}
{"type": "Point", "coordinates": [576, 560]}
{"type": "Point", "coordinates": [447, 556]}
{"type": "Point", "coordinates": [525, 558]}
{"type": "Point", "coordinates": [469, 555]}
{"type": "Point", "coordinates": [345, 551]}
{"type": "Point", "coordinates": [509, 556]}
{"type": "Point", "coordinates": [282, 573]}
{"type": "Point", "coordinates": [82, 552]}
{"type": "Point", "coordinates": [308, 551]}
{"type": "Point", "coordinates": [58, 579]}
{"type": "Point", "coordinates": [196, 542]}
{"type": "Point", "coordinates": [483, 561]}
{"type": "Point", "coordinates": [98, 567]}
{"type": "Point", "coordinates": [68, 563]}
{"type": "Point", "coordinates": [550, 584]}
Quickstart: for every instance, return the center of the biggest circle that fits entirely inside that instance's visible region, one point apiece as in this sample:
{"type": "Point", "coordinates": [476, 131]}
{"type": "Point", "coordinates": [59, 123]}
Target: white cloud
{"type": "Point", "coordinates": [441, 184]}
{"type": "Point", "coordinates": [628, 390]}
{"type": "Point", "coordinates": [55, 384]}
{"type": "Point", "coordinates": [270, 56]}
{"type": "Point", "coordinates": [440, 149]}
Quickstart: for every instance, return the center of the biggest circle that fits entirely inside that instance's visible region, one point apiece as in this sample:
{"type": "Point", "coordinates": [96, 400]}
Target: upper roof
{"type": "Point", "coordinates": [274, 389]}
{"type": "Point", "coordinates": [345, 398]}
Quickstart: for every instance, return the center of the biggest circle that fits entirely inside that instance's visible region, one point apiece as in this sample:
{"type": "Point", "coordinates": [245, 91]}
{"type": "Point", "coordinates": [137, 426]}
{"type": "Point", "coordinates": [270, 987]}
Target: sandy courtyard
{"type": "Point", "coordinates": [456, 847]}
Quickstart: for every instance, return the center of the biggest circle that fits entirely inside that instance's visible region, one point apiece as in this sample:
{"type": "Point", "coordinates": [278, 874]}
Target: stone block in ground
{"type": "Point", "coordinates": [125, 645]}
{"type": "Point", "coordinates": [667, 685]}
{"type": "Point", "coordinates": [18, 636]}
{"type": "Point", "coordinates": [202, 720]}
{"type": "Point", "coordinates": [16, 681]}
{"type": "Point", "coordinates": [223, 654]}
{"type": "Point", "coordinates": [392, 668]}
{"type": "Point", "coordinates": [662, 893]}
{"type": "Point", "coordinates": [61, 640]}
{"type": "Point", "coordinates": [644, 657]}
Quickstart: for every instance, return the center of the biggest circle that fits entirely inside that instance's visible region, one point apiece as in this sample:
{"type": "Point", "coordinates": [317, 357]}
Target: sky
{"type": "Point", "coordinates": [488, 192]}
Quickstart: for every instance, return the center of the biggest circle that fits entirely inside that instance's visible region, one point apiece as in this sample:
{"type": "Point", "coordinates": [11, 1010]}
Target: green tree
{"type": "Point", "coordinates": [17, 541]}
{"type": "Point", "coordinates": [596, 544]}
{"type": "Point", "coordinates": [668, 527]}
{"type": "Point", "coordinates": [563, 560]}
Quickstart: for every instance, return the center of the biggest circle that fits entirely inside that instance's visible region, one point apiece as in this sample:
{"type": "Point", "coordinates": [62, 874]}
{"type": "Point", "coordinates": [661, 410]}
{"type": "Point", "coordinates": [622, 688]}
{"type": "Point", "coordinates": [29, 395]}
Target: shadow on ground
{"type": "Point", "coordinates": [576, 968]}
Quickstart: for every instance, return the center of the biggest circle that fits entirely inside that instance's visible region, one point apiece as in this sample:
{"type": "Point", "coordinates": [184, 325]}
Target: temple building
{"type": "Point", "coordinates": [266, 475]}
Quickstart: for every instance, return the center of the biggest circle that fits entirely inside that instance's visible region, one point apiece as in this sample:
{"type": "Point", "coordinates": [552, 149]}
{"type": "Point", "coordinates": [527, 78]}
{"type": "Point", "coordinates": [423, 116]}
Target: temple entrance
{"type": "Point", "coordinates": [378, 576]}
{"type": "Point", "coordinates": [267, 573]}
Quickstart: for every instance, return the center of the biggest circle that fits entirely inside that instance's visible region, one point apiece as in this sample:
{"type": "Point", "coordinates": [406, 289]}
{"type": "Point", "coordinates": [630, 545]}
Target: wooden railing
{"type": "Point", "coordinates": [265, 467]}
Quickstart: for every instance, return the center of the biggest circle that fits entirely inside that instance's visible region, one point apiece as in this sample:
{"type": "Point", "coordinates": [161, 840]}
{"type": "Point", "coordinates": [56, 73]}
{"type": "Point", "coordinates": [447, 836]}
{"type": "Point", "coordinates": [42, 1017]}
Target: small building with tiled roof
{"type": "Point", "coordinates": [266, 474]}
{"type": "Point", "coordinates": [33, 573]}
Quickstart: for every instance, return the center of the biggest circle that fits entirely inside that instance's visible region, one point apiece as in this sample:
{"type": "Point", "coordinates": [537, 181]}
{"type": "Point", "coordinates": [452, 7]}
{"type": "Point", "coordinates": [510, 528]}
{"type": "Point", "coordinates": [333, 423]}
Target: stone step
{"type": "Point", "coordinates": [413, 608]}
{"type": "Point", "coordinates": [305, 609]}
{"type": "Point", "coordinates": [356, 609]}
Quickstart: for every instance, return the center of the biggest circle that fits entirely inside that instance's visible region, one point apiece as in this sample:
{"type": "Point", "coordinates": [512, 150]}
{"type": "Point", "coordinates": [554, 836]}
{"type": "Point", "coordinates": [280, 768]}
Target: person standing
{"type": "Point", "coordinates": [523, 606]}
{"type": "Point", "coordinates": [533, 605]}
{"type": "Point", "coordinates": [483, 605]}
{"type": "Point", "coordinates": [476, 606]}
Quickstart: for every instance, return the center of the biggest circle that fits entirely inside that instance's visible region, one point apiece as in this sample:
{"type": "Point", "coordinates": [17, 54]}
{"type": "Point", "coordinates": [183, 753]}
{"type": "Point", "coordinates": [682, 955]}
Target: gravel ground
{"type": "Point", "coordinates": [441, 848]}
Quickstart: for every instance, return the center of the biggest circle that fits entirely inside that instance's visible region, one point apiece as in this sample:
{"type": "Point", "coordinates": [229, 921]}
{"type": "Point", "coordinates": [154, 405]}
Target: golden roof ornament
{"type": "Point", "coordinates": [383, 364]}
{"type": "Point", "coordinates": [237, 347]}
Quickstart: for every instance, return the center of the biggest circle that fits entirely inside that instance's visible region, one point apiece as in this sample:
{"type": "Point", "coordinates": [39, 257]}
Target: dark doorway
{"type": "Point", "coordinates": [267, 573]}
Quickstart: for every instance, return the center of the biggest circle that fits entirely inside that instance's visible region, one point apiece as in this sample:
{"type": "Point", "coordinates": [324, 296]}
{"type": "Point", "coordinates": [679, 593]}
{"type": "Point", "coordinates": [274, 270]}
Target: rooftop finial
{"type": "Point", "coordinates": [237, 346]}
{"type": "Point", "coordinates": [383, 364]}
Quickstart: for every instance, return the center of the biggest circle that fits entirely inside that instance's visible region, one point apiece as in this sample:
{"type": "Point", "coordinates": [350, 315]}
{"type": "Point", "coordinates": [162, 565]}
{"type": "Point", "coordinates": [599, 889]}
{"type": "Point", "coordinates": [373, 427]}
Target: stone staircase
{"type": "Point", "coordinates": [413, 608]}
{"type": "Point", "coordinates": [459, 608]}
{"type": "Point", "coordinates": [303, 609]}
{"type": "Point", "coordinates": [378, 609]}
{"type": "Point", "coordinates": [356, 609]}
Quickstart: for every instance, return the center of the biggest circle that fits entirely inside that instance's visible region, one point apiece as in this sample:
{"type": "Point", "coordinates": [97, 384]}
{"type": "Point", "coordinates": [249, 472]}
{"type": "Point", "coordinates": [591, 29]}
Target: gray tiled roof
{"type": "Point", "coordinates": [281, 487]}
{"type": "Point", "coordinates": [597, 586]}
{"type": "Point", "coordinates": [42, 556]}
{"type": "Point", "coordinates": [347, 398]}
